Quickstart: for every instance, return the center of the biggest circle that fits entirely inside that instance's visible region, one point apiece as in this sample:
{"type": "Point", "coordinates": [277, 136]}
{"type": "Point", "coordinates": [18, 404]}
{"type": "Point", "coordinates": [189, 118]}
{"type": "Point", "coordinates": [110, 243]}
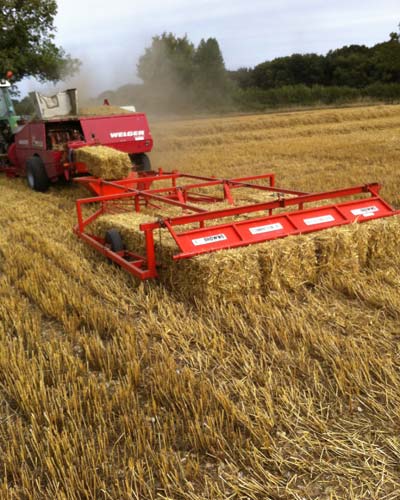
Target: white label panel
{"type": "Point", "coordinates": [365, 211]}
{"type": "Point", "coordinates": [266, 229]}
{"type": "Point", "coordinates": [126, 133]}
{"type": "Point", "coordinates": [319, 220]}
{"type": "Point", "coordinates": [209, 239]}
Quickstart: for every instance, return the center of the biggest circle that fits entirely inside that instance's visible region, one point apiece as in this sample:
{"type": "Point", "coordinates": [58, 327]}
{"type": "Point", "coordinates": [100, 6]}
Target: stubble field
{"type": "Point", "coordinates": [115, 389]}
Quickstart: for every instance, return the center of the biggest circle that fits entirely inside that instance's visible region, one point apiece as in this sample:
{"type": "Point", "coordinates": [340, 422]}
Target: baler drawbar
{"type": "Point", "coordinates": [198, 230]}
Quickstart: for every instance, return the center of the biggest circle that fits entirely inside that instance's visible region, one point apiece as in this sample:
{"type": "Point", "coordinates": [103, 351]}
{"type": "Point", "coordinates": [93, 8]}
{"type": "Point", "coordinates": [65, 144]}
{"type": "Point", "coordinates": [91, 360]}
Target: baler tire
{"type": "Point", "coordinates": [113, 238]}
{"type": "Point", "coordinates": [142, 162]}
{"type": "Point", "coordinates": [36, 174]}
{"type": "Point", "coordinates": [146, 165]}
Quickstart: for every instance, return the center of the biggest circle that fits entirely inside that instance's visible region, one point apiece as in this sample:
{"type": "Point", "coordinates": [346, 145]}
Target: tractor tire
{"type": "Point", "coordinates": [141, 162]}
{"type": "Point", "coordinates": [36, 174]}
{"type": "Point", "coordinates": [113, 238]}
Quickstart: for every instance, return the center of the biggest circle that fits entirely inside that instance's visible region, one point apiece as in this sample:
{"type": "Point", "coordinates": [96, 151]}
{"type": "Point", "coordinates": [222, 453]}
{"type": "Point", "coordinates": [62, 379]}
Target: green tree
{"type": "Point", "coordinates": [25, 106]}
{"type": "Point", "coordinates": [242, 77]}
{"type": "Point", "coordinates": [395, 36]}
{"type": "Point", "coordinates": [307, 69]}
{"type": "Point", "coordinates": [350, 66]}
{"type": "Point", "coordinates": [27, 45]}
{"type": "Point", "coordinates": [386, 60]}
{"type": "Point", "coordinates": [211, 82]}
{"type": "Point", "coordinates": [180, 76]}
{"type": "Point", "coordinates": [166, 69]}
{"type": "Point", "coordinates": [209, 62]}
{"type": "Point", "coordinates": [169, 60]}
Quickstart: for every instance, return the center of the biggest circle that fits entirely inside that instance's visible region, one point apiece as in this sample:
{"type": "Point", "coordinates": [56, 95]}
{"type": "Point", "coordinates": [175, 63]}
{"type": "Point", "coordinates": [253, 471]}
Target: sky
{"type": "Point", "coordinates": [109, 37]}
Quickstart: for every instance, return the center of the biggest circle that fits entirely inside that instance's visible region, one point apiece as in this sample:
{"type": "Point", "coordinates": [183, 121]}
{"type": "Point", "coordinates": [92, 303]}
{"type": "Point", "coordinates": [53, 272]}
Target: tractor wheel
{"type": "Point", "coordinates": [141, 162]}
{"type": "Point", "coordinates": [113, 238]}
{"type": "Point", "coordinates": [36, 174]}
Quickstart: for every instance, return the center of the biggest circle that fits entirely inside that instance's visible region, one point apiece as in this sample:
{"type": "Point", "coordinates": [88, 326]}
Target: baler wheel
{"type": "Point", "coordinates": [36, 174]}
{"type": "Point", "coordinates": [142, 162]}
{"type": "Point", "coordinates": [113, 238]}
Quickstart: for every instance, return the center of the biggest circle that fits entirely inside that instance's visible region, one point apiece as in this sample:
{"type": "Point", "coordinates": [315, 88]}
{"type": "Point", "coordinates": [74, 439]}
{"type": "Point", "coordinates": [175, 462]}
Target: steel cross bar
{"type": "Point", "coordinates": [256, 207]}
{"type": "Point", "coordinates": [160, 177]}
{"type": "Point", "coordinates": [209, 181]}
{"type": "Point", "coordinates": [166, 176]}
{"type": "Point", "coordinates": [239, 182]}
{"type": "Point", "coordinates": [130, 192]}
{"type": "Point", "coordinates": [250, 177]}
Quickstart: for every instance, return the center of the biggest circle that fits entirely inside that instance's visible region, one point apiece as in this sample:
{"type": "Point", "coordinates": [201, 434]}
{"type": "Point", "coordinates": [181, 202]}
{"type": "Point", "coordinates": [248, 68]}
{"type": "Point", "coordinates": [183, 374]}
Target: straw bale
{"type": "Point", "coordinates": [102, 111]}
{"type": "Point", "coordinates": [288, 263]}
{"type": "Point", "coordinates": [128, 226]}
{"type": "Point", "coordinates": [218, 276]}
{"type": "Point", "coordinates": [102, 161]}
{"type": "Point", "coordinates": [383, 244]}
{"type": "Point", "coordinates": [215, 278]}
{"type": "Point", "coordinates": [360, 236]}
{"type": "Point", "coordinates": [333, 256]}
{"type": "Point", "coordinates": [336, 251]}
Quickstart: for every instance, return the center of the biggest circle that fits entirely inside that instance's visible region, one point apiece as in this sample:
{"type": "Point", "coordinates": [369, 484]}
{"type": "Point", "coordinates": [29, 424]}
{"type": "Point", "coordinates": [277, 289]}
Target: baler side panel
{"type": "Point", "coordinates": [30, 141]}
{"type": "Point", "coordinates": [23, 149]}
{"type": "Point", "coordinates": [128, 133]}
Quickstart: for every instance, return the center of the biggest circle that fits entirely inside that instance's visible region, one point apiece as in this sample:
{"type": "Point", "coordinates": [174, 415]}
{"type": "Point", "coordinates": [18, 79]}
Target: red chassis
{"type": "Point", "coordinates": [363, 204]}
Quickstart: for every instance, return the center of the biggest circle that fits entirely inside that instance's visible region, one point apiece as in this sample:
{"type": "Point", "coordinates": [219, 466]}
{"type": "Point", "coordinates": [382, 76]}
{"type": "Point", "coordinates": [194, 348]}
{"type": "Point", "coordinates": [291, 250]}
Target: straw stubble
{"type": "Point", "coordinates": [266, 372]}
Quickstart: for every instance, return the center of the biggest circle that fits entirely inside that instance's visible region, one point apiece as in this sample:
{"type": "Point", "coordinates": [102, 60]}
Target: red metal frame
{"type": "Point", "coordinates": [5, 167]}
{"type": "Point", "coordinates": [9, 171]}
{"type": "Point", "coordinates": [213, 232]}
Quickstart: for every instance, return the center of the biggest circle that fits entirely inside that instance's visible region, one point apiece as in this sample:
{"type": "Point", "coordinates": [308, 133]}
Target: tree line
{"type": "Point", "coordinates": [354, 66]}
{"type": "Point", "coordinates": [347, 74]}
{"type": "Point", "coordinates": [178, 75]}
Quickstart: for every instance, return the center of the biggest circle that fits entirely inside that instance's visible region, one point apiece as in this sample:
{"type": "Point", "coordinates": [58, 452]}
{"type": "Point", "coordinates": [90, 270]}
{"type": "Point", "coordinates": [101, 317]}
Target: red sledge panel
{"type": "Point", "coordinates": [266, 228]}
{"type": "Point", "coordinates": [361, 210]}
{"type": "Point", "coordinates": [235, 234]}
{"type": "Point", "coordinates": [317, 218]}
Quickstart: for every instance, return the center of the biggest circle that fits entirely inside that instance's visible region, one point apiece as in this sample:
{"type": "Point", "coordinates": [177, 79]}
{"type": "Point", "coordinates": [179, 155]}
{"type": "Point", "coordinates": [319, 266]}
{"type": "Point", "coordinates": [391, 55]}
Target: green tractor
{"type": "Point", "coordinates": [8, 118]}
